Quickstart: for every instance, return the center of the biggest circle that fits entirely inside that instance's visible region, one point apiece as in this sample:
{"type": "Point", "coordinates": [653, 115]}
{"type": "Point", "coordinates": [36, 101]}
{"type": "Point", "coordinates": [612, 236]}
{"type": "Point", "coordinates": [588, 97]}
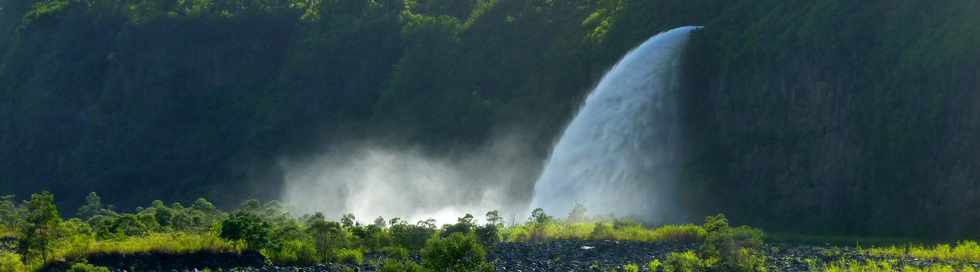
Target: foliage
{"type": "Point", "coordinates": [395, 252]}
{"type": "Point", "coordinates": [412, 237]}
{"type": "Point", "coordinates": [293, 252]}
{"type": "Point", "coordinates": [169, 243]}
{"type": "Point", "coordinates": [40, 227]}
{"type": "Point", "coordinates": [965, 251]}
{"type": "Point", "coordinates": [631, 268]}
{"type": "Point", "coordinates": [9, 215]}
{"type": "Point", "coordinates": [456, 252]}
{"type": "Point", "coordinates": [654, 265]}
{"type": "Point", "coordinates": [350, 256]}
{"type": "Point", "coordinates": [577, 214]}
{"type": "Point", "coordinates": [86, 267]}
{"type": "Point", "coordinates": [687, 261]}
{"type": "Point", "coordinates": [10, 262]}
{"type": "Point", "coordinates": [889, 266]}
{"type": "Point", "coordinates": [732, 249]}
{"type": "Point", "coordinates": [604, 230]}
{"type": "Point", "coordinates": [327, 236]}
{"type": "Point", "coordinates": [400, 266]}
{"type": "Point", "coordinates": [248, 228]}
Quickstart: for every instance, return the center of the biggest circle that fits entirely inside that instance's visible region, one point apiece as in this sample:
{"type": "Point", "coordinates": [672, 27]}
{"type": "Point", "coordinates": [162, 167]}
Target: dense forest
{"type": "Point", "coordinates": [832, 117]}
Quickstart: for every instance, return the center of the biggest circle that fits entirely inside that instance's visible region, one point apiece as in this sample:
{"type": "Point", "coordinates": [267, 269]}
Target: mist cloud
{"type": "Point", "coordinates": [371, 180]}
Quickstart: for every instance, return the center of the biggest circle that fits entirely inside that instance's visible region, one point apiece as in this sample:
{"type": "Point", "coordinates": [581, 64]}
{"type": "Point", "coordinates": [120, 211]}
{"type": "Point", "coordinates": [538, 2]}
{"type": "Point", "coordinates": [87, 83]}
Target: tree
{"type": "Point", "coordinates": [539, 217]}
{"type": "Point", "coordinates": [9, 213]}
{"type": "Point", "coordinates": [248, 228]}
{"type": "Point", "coordinates": [348, 220]}
{"type": "Point", "coordinates": [493, 218]}
{"type": "Point", "coordinates": [577, 214]}
{"type": "Point", "coordinates": [327, 236]}
{"type": "Point", "coordinates": [41, 227]}
{"type": "Point", "coordinates": [92, 206]}
{"type": "Point", "coordinates": [380, 222]}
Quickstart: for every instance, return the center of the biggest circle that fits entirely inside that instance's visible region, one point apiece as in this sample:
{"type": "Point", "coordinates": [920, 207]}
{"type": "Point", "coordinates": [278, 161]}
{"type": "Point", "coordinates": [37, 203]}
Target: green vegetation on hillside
{"type": "Point", "coordinates": [43, 238]}
{"type": "Point", "coordinates": [863, 114]}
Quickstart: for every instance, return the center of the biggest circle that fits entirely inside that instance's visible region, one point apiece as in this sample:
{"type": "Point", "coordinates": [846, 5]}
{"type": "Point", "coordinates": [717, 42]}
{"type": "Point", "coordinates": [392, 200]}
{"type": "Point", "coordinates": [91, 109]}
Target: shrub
{"type": "Point", "coordinates": [654, 265]}
{"type": "Point", "coordinates": [412, 237]}
{"type": "Point", "coordinates": [631, 268]}
{"type": "Point", "coordinates": [248, 228]}
{"type": "Point", "coordinates": [400, 266]}
{"type": "Point", "coordinates": [748, 260]}
{"type": "Point", "coordinates": [456, 252]}
{"type": "Point", "coordinates": [734, 249]}
{"type": "Point", "coordinates": [86, 267]}
{"type": "Point", "coordinates": [350, 256]}
{"type": "Point", "coordinates": [603, 231]}
{"type": "Point", "coordinates": [395, 252]}
{"type": "Point", "coordinates": [327, 236]}
{"type": "Point", "coordinates": [293, 252]}
{"type": "Point", "coordinates": [684, 262]}
{"type": "Point", "coordinates": [10, 262]}
{"type": "Point", "coordinates": [679, 234]}
{"type": "Point", "coordinates": [489, 235]}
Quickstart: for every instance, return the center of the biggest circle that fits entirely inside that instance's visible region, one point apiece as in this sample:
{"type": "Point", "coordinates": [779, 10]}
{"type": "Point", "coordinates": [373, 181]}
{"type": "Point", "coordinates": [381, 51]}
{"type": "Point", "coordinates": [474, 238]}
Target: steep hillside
{"type": "Point", "coordinates": [837, 117]}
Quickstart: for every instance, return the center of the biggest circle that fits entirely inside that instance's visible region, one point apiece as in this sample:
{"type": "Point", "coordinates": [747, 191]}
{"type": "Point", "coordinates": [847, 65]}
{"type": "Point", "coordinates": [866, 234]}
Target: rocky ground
{"type": "Point", "coordinates": [598, 256]}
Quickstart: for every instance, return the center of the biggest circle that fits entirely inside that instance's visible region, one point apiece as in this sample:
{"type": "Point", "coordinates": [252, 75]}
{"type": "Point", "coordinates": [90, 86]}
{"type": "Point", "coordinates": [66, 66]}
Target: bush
{"type": "Point", "coordinates": [400, 266]}
{"type": "Point", "coordinates": [489, 235]}
{"type": "Point", "coordinates": [732, 249]}
{"type": "Point", "coordinates": [456, 252]}
{"type": "Point", "coordinates": [293, 252]}
{"type": "Point", "coordinates": [631, 268]}
{"type": "Point", "coordinates": [10, 262]}
{"type": "Point", "coordinates": [86, 267]}
{"type": "Point", "coordinates": [412, 237]}
{"type": "Point", "coordinates": [350, 256]}
{"type": "Point", "coordinates": [395, 252]}
{"type": "Point", "coordinates": [654, 265]}
{"type": "Point", "coordinates": [603, 231]}
{"type": "Point", "coordinates": [248, 228]}
{"type": "Point", "coordinates": [684, 262]}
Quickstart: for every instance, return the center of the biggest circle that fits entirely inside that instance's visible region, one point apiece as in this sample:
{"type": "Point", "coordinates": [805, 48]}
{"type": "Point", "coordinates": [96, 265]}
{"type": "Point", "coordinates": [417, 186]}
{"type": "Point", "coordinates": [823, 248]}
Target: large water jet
{"type": "Point", "coordinates": [618, 155]}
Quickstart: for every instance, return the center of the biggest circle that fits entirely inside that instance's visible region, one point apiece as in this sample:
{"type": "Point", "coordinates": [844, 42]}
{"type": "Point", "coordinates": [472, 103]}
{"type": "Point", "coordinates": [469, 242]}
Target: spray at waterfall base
{"type": "Point", "coordinates": [617, 157]}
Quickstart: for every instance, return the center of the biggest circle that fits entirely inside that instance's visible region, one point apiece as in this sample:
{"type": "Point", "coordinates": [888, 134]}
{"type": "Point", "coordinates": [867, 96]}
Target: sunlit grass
{"type": "Point", "coordinates": [7, 233]}
{"type": "Point", "coordinates": [604, 231]}
{"type": "Point", "coordinates": [159, 243]}
{"type": "Point", "coordinates": [967, 251]}
{"type": "Point", "coordinates": [889, 266]}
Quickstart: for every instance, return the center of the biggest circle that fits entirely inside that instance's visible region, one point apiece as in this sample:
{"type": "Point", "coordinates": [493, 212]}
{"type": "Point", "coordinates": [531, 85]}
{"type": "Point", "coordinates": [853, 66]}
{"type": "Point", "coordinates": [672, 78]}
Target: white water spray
{"type": "Point", "coordinates": [617, 156]}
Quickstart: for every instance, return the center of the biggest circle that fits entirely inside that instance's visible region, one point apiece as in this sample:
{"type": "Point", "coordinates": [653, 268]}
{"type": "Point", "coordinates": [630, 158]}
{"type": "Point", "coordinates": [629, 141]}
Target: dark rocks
{"type": "Point", "coordinates": [578, 255]}
{"type": "Point", "coordinates": [553, 256]}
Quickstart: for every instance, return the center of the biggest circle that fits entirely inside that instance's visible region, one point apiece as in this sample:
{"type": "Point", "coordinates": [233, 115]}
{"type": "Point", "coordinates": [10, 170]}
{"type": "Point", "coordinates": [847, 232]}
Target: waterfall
{"type": "Point", "coordinates": [618, 155]}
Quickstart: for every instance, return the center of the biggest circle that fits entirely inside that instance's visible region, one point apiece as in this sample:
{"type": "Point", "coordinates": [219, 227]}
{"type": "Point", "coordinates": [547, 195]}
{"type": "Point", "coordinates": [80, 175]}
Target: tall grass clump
{"type": "Point", "coordinates": [965, 251]}
{"type": "Point", "coordinates": [604, 230]}
{"type": "Point", "coordinates": [166, 243]}
{"type": "Point", "coordinates": [888, 266]}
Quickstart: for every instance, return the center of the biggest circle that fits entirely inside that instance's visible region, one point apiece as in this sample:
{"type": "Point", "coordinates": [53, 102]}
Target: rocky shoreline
{"type": "Point", "coordinates": [523, 257]}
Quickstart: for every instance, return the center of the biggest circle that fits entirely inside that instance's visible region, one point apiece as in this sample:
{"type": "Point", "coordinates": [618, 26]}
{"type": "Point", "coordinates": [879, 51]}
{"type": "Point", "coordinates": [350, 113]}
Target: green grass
{"type": "Point", "coordinates": [7, 233]}
{"type": "Point", "coordinates": [853, 241]}
{"type": "Point", "coordinates": [966, 251]}
{"type": "Point", "coordinates": [603, 231]}
{"type": "Point", "coordinates": [162, 243]}
{"type": "Point", "coordinates": [889, 266]}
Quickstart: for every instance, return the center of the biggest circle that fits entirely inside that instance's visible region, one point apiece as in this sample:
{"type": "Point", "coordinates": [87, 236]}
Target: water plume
{"type": "Point", "coordinates": [618, 155]}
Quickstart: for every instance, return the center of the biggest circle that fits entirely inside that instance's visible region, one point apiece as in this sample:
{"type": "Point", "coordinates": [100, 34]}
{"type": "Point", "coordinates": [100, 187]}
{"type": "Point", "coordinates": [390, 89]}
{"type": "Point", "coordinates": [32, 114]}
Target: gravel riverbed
{"type": "Point", "coordinates": [604, 255]}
